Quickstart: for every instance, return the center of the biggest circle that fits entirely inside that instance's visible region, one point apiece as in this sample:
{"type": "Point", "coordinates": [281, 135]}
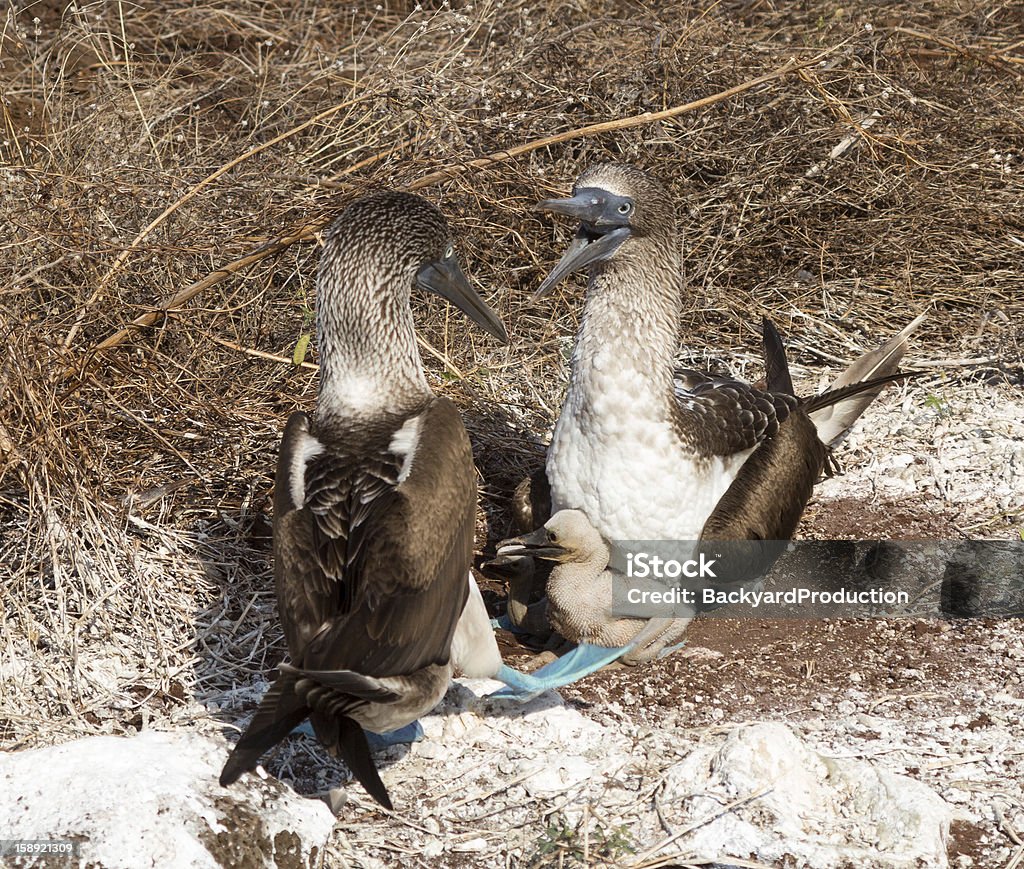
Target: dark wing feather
{"type": "Point", "coordinates": [372, 574]}
{"type": "Point", "coordinates": [791, 455]}
{"type": "Point", "coordinates": [531, 501]}
{"type": "Point", "coordinates": [345, 498]}
{"type": "Point", "coordinates": [751, 508]}
{"type": "Point", "coordinates": [721, 416]}
{"type": "Point", "coordinates": [281, 710]}
{"type": "Point", "coordinates": [751, 518]}
{"type": "Point", "coordinates": [318, 543]}
{"type": "Point", "coordinates": [775, 363]}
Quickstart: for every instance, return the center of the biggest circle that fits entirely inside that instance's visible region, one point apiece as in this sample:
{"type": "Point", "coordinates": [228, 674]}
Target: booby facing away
{"type": "Point", "coordinates": [374, 503]}
{"type": "Point", "coordinates": [649, 452]}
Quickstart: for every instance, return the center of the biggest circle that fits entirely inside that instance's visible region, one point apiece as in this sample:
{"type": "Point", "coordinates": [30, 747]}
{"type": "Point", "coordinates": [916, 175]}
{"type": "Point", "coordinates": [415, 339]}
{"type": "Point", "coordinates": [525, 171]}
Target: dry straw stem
{"type": "Point", "coordinates": [312, 366]}
{"type": "Point", "coordinates": [645, 861]}
{"type": "Point", "coordinates": [309, 230]}
{"type": "Point", "coordinates": [209, 179]}
{"type": "Point", "coordinates": [999, 60]}
{"type": "Point", "coordinates": [278, 245]}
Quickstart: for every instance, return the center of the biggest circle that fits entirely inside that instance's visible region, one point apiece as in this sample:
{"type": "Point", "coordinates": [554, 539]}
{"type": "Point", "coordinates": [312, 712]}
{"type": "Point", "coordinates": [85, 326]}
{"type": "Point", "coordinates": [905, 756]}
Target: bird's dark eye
{"type": "Point", "coordinates": [552, 537]}
{"type": "Point", "coordinates": [625, 208]}
{"type": "Point", "coordinates": [449, 251]}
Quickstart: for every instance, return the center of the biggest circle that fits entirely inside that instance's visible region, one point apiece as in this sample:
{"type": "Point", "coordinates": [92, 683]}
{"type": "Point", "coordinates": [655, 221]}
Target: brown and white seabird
{"type": "Point", "coordinates": [651, 452]}
{"type": "Point", "coordinates": [374, 503]}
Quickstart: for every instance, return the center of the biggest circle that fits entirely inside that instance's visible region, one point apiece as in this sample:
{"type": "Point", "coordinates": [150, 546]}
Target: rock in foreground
{"type": "Point", "coordinates": [818, 810]}
{"type": "Point", "coordinates": [154, 800]}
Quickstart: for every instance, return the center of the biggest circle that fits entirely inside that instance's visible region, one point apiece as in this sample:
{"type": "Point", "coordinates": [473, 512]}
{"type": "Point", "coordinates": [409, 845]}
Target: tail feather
{"type": "Point", "coordinates": [838, 408]}
{"type": "Point", "coordinates": [776, 365]}
{"type": "Point", "coordinates": [279, 713]}
{"type": "Point", "coordinates": [348, 740]}
{"type": "Point", "coordinates": [282, 710]}
{"type": "Point", "coordinates": [880, 361]}
{"type": "Point", "coordinates": [832, 397]}
{"type": "Point", "coordinates": [346, 682]}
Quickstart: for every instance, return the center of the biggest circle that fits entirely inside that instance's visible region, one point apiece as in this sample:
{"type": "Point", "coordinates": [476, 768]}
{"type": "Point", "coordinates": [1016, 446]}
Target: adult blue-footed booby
{"type": "Point", "coordinates": [649, 452]}
{"type": "Point", "coordinates": [374, 503]}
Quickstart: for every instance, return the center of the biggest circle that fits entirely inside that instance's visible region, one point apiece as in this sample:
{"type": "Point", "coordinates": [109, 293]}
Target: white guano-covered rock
{"type": "Point", "coordinates": [822, 811]}
{"type": "Point", "coordinates": [154, 800]}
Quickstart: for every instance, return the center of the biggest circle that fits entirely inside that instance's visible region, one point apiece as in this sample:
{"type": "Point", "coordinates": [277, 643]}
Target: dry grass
{"type": "Point", "coordinates": [145, 150]}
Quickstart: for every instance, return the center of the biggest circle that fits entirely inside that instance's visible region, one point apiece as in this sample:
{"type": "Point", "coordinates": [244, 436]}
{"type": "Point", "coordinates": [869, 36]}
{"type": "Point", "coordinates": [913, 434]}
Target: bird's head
{"type": "Point", "coordinates": [406, 242]}
{"type": "Point", "coordinates": [567, 536]}
{"type": "Point", "coordinates": [613, 203]}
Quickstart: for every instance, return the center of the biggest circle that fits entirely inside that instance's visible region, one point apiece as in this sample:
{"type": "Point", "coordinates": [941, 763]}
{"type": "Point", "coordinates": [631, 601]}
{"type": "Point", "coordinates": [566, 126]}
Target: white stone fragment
{"type": "Point", "coordinates": [824, 812]}
{"type": "Point", "coordinates": [154, 800]}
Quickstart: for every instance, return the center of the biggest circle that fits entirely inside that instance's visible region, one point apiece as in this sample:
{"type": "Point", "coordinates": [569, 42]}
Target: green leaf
{"type": "Point", "coordinates": [299, 354]}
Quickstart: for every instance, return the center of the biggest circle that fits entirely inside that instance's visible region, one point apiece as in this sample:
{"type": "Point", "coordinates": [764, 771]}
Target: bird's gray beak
{"type": "Point", "coordinates": [536, 544]}
{"type": "Point", "coordinates": [445, 278]}
{"type": "Point", "coordinates": [596, 240]}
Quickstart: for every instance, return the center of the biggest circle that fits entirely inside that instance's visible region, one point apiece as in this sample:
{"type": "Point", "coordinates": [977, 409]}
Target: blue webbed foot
{"type": "Point", "coordinates": [503, 622]}
{"type": "Point", "coordinates": [668, 650]}
{"type": "Point", "coordinates": [403, 736]}
{"type": "Point", "coordinates": [581, 661]}
{"type": "Point", "coordinates": [506, 624]}
{"type": "Point", "coordinates": [379, 741]}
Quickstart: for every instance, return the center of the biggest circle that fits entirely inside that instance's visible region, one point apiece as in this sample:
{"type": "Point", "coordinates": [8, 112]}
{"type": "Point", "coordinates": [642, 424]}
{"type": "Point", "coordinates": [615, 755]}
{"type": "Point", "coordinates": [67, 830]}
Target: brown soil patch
{"type": "Point", "coordinates": [854, 519]}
